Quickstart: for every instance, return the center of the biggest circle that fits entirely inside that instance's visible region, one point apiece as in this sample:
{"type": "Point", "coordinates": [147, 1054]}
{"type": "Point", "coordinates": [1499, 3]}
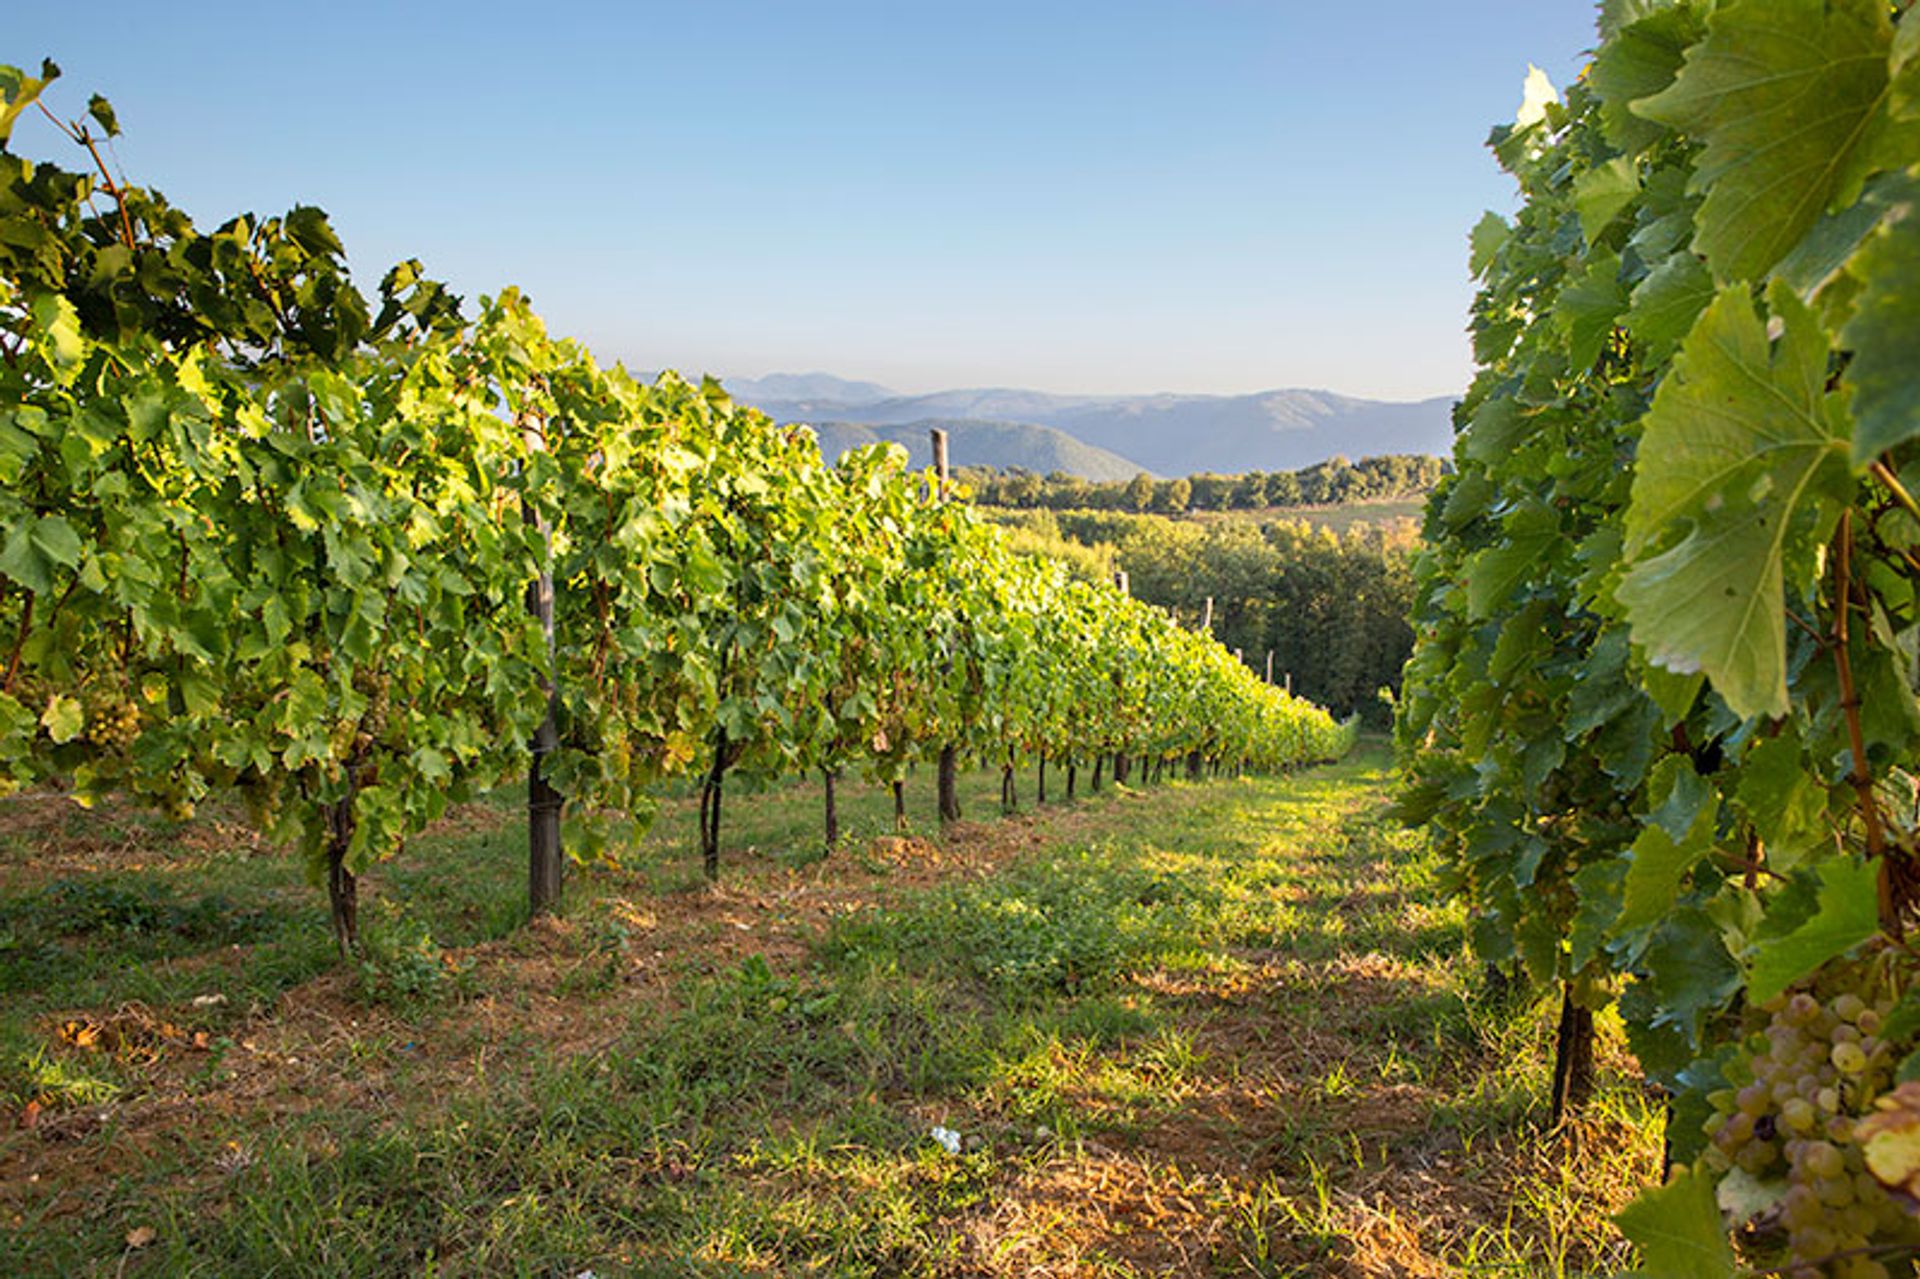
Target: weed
{"type": "Point", "coordinates": [400, 964]}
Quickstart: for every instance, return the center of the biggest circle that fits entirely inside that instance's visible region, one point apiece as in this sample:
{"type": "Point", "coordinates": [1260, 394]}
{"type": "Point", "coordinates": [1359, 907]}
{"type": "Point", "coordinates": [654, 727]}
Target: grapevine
{"type": "Point", "coordinates": [1661, 712]}
{"type": "Point", "coordinates": [265, 535]}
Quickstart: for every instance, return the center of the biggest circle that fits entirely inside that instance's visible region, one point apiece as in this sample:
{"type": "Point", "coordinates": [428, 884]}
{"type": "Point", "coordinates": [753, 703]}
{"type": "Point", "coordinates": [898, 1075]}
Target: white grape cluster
{"type": "Point", "coordinates": [113, 721]}
{"type": "Point", "coordinates": [1815, 1071]}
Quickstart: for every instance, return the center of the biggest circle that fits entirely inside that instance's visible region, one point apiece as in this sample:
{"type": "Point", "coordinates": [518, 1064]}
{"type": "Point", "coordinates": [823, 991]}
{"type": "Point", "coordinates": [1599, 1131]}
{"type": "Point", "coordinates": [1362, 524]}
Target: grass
{"type": "Point", "coordinates": [1223, 1028]}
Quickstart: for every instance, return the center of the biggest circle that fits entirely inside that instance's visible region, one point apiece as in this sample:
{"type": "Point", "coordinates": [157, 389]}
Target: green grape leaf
{"type": "Point", "coordinates": [1689, 971]}
{"type": "Point", "coordinates": [1678, 1230]}
{"type": "Point", "coordinates": [1601, 690]}
{"type": "Point", "coordinates": [1846, 913]}
{"type": "Point", "coordinates": [1904, 68]}
{"type": "Point", "coordinates": [32, 552]}
{"type": "Point", "coordinates": [18, 91]}
{"type": "Point", "coordinates": [1746, 451]}
{"type": "Point", "coordinates": [1823, 253]}
{"type": "Point", "coordinates": [1488, 234]}
{"type": "Point", "coordinates": [1677, 835]}
{"type": "Point", "coordinates": [1588, 307]}
{"type": "Point", "coordinates": [102, 112]}
{"type": "Point", "coordinates": [1666, 304]}
{"type": "Point", "coordinates": [58, 326]}
{"type": "Point", "coordinates": [1643, 52]}
{"type": "Point", "coordinates": [1600, 193]}
{"type": "Point", "coordinates": [1494, 430]}
{"type": "Point", "coordinates": [1787, 98]}
{"type": "Point", "coordinates": [63, 719]}
{"type": "Point", "coordinates": [1782, 799]}
{"type": "Point", "coordinates": [1598, 888]}
{"type": "Point", "coordinates": [1884, 335]}
{"type": "Point", "coordinates": [1497, 571]}
{"type": "Point", "coordinates": [55, 539]}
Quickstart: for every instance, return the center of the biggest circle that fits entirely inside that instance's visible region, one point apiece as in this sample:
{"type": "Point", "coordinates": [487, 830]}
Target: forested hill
{"type": "Point", "coordinates": [1279, 430]}
{"type": "Point", "coordinates": [1331, 607]}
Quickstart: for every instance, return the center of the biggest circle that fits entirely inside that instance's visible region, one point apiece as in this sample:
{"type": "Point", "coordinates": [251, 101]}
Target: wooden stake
{"type": "Point", "coordinates": [940, 461]}
{"type": "Point", "coordinates": [545, 863]}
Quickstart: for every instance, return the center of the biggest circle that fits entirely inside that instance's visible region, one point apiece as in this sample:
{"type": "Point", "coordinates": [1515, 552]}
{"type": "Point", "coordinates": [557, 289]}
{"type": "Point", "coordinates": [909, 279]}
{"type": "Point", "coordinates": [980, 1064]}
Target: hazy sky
{"type": "Point", "coordinates": [1215, 195]}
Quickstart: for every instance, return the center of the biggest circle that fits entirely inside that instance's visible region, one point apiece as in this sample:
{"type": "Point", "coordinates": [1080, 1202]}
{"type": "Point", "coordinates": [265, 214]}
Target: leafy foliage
{"type": "Point", "coordinates": [1661, 710]}
{"type": "Point", "coordinates": [263, 533]}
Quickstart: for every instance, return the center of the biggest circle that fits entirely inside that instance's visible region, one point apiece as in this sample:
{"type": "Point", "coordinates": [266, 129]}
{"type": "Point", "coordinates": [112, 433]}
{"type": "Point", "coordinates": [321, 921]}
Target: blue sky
{"type": "Point", "coordinates": [1208, 196]}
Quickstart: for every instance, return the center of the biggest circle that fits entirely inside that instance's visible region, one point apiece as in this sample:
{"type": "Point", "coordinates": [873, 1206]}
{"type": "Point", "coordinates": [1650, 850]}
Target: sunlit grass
{"type": "Point", "coordinates": [1227, 1028]}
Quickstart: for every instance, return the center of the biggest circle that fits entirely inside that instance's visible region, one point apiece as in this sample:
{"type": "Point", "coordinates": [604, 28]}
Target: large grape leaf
{"type": "Point", "coordinates": [1741, 470]}
{"type": "Point", "coordinates": [1495, 573]}
{"type": "Point", "coordinates": [1588, 308]}
{"type": "Point", "coordinates": [1788, 99]}
{"type": "Point", "coordinates": [1845, 913]}
{"type": "Point", "coordinates": [1602, 192]}
{"type": "Point", "coordinates": [1644, 47]}
{"type": "Point", "coordinates": [1667, 302]}
{"type": "Point", "coordinates": [1678, 1230]}
{"type": "Point", "coordinates": [1677, 835]}
{"type": "Point", "coordinates": [1884, 334]}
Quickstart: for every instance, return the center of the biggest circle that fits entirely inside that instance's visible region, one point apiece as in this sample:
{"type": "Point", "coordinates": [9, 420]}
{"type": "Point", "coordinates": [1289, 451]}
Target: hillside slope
{"type": "Point", "coordinates": [1040, 449]}
{"type": "Point", "coordinates": [1166, 434]}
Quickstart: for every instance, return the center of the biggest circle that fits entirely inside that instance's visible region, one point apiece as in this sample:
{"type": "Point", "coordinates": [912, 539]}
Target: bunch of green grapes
{"type": "Point", "coordinates": [377, 686]}
{"type": "Point", "coordinates": [1811, 1075]}
{"type": "Point", "coordinates": [113, 721]}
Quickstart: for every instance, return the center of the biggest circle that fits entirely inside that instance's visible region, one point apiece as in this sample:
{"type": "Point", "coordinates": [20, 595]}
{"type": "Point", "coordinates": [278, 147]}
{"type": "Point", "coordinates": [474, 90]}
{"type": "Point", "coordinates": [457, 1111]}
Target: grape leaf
{"type": "Point", "coordinates": [1642, 54]}
{"type": "Point", "coordinates": [18, 91]}
{"type": "Point", "coordinates": [1666, 304]}
{"type": "Point", "coordinates": [1495, 430]}
{"type": "Point", "coordinates": [1588, 307]}
{"type": "Point", "coordinates": [1489, 233]}
{"type": "Point", "coordinates": [1498, 570]}
{"type": "Point", "coordinates": [1678, 1229]}
{"type": "Point", "coordinates": [1847, 912]}
{"type": "Point", "coordinates": [63, 718]}
{"type": "Point", "coordinates": [1782, 799]}
{"type": "Point", "coordinates": [1884, 333]}
{"type": "Point", "coordinates": [1602, 192]}
{"type": "Point", "coordinates": [1745, 450]}
{"type": "Point", "coordinates": [1677, 835]}
{"type": "Point", "coordinates": [1787, 98]}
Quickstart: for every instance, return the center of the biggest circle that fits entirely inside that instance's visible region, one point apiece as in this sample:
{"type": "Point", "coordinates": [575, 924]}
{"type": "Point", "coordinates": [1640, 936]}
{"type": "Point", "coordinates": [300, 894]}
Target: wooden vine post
{"type": "Point", "coordinates": [948, 775]}
{"type": "Point", "coordinates": [546, 861]}
{"type": "Point", "coordinates": [1206, 617]}
{"type": "Point", "coordinates": [1120, 769]}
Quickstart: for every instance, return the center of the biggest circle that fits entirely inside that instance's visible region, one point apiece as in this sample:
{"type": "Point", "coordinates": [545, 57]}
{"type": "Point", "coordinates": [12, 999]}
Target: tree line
{"type": "Point", "coordinates": [1333, 482]}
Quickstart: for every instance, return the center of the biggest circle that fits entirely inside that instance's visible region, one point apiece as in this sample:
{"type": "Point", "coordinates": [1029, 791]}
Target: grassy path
{"type": "Point", "coordinates": [1212, 1029]}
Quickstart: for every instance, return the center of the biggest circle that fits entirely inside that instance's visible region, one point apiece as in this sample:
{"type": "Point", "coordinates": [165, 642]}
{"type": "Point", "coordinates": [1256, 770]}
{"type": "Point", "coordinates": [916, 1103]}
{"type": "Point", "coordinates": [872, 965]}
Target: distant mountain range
{"type": "Point", "coordinates": [1040, 449]}
{"type": "Point", "coordinates": [1107, 436]}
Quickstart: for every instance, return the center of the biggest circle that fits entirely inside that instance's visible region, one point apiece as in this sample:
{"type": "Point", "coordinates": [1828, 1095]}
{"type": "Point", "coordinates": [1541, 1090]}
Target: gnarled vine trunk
{"type": "Point", "coordinates": [342, 891]}
{"type": "Point", "coordinates": [949, 785]}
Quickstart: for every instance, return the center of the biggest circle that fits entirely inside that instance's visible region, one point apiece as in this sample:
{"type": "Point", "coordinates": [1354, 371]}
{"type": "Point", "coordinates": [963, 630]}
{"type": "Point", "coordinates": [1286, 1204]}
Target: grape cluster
{"type": "Point", "coordinates": [113, 722]}
{"type": "Point", "coordinates": [373, 721]}
{"type": "Point", "coordinates": [1814, 1072]}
